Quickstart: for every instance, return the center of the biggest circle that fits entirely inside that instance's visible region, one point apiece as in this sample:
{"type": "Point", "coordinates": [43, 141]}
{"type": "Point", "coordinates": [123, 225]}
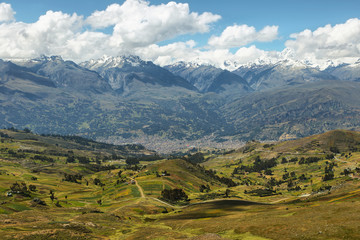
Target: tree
{"type": "Point", "coordinates": [52, 196]}
{"type": "Point", "coordinates": [174, 195]}
{"type": "Point", "coordinates": [132, 161]}
{"type": "Point", "coordinates": [27, 130]}
{"type": "Point", "coordinates": [70, 159]}
{"type": "Point", "coordinates": [83, 160]}
{"type": "Point", "coordinates": [20, 189]}
{"type": "Point", "coordinates": [196, 158]}
{"type": "Point", "coordinates": [204, 188]}
{"type": "Point", "coordinates": [227, 192]}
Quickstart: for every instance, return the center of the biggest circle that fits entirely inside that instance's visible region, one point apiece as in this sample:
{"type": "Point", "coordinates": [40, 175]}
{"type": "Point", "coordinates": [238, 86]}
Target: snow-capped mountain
{"type": "Point", "coordinates": [107, 62]}
{"type": "Point", "coordinates": [123, 71]}
{"type": "Point", "coordinates": [348, 72]}
{"type": "Point", "coordinates": [282, 73]}
{"type": "Point", "coordinates": [207, 78]}
{"type": "Point", "coordinates": [67, 74]}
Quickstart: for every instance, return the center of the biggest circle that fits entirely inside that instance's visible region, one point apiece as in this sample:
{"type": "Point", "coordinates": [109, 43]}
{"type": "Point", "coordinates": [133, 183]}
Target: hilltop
{"type": "Point", "coordinates": [335, 141]}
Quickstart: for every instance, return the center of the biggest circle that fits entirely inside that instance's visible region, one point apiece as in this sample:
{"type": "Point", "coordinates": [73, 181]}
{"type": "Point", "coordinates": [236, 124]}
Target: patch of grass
{"type": "Point", "coordinates": [135, 191]}
{"type": "Point", "coordinates": [18, 207]}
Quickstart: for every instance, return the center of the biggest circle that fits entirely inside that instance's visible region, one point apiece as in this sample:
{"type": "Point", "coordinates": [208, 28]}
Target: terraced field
{"type": "Point", "coordinates": [261, 191]}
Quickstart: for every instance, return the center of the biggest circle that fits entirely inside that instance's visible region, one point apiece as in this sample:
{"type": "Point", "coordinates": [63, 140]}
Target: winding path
{"type": "Point", "coordinates": [139, 187]}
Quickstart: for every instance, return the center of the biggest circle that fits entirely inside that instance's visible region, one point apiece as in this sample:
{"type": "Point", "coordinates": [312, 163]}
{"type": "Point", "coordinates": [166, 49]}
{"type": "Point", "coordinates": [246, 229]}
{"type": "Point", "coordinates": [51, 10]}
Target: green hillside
{"type": "Point", "coordinates": [56, 187]}
{"type": "Point", "coordinates": [335, 141]}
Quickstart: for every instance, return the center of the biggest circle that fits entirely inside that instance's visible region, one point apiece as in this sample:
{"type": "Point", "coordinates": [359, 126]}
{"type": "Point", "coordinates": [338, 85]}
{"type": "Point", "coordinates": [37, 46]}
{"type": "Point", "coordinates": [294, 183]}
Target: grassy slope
{"type": "Point", "coordinates": [341, 139]}
{"type": "Point", "coordinates": [125, 215]}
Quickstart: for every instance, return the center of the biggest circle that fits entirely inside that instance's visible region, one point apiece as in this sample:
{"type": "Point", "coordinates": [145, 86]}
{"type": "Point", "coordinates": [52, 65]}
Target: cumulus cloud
{"type": "Point", "coordinates": [136, 23]}
{"type": "Point", "coordinates": [341, 41]}
{"type": "Point", "coordinates": [6, 12]}
{"type": "Point", "coordinates": [188, 52]}
{"type": "Point", "coordinates": [138, 27]}
{"type": "Point", "coordinates": [241, 35]}
{"type": "Point", "coordinates": [49, 35]}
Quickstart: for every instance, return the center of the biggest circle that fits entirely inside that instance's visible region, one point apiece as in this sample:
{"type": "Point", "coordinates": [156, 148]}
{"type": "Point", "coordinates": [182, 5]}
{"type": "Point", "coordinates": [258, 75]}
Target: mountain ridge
{"type": "Point", "coordinates": [152, 109]}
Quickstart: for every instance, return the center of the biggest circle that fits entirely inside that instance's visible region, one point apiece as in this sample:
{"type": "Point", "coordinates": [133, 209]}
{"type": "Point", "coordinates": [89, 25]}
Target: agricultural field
{"type": "Point", "coordinates": [53, 188]}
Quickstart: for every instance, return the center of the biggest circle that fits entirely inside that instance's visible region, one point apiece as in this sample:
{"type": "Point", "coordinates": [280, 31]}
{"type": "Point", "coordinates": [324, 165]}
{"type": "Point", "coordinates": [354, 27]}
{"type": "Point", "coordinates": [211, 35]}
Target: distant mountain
{"type": "Point", "coordinates": [295, 111]}
{"type": "Point", "coordinates": [129, 73]}
{"type": "Point", "coordinates": [10, 71]}
{"type": "Point", "coordinates": [348, 72]}
{"type": "Point", "coordinates": [207, 78]}
{"type": "Point", "coordinates": [34, 101]}
{"type": "Point", "coordinates": [151, 104]}
{"type": "Point", "coordinates": [67, 74]}
{"type": "Point", "coordinates": [284, 73]}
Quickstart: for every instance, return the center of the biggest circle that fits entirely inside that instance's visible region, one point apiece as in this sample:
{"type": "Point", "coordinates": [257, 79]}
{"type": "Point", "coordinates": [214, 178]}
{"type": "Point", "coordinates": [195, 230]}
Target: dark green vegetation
{"type": "Point", "coordinates": [148, 104]}
{"type": "Point", "coordinates": [55, 187]}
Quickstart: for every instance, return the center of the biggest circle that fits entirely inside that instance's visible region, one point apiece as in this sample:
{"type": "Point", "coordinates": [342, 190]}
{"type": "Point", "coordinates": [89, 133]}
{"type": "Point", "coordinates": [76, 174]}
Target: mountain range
{"type": "Point", "coordinates": [126, 99]}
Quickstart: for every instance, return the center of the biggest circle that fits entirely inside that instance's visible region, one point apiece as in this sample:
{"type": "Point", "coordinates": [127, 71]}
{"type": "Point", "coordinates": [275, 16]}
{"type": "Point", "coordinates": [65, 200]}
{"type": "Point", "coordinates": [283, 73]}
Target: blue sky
{"type": "Point", "coordinates": [289, 16]}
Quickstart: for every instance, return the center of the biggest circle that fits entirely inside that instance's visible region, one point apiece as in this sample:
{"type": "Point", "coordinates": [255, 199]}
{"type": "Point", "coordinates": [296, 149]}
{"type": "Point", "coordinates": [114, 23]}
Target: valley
{"type": "Point", "coordinates": [128, 100]}
{"type": "Point", "coordinates": [195, 120]}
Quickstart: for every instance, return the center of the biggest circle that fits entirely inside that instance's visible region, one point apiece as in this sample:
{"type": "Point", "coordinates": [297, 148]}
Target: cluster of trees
{"type": "Point", "coordinates": [132, 161]}
{"type": "Point", "coordinates": [272, 182]}
{"type": "Point", "coordinates": [4, 135]}
{"type": "Point", "coordinates": [284, 160]}
{"type": "Point", "coordinates": [22, 189]}
{"type": "Point", "coordinates": [261, 192]}
{"type": "Point", "coordinates": [16, 154]}
{"type": "Point", "coordinates": [204, 188]}
{"type": "Point", "coordinates": [81, 159]}
{"type": "Point", "coordinates": [287, 175]}
{"type": "Point", "coordinates": [99, 168]}
{"type": "Point", "coordinates": [43, 158]}
{"type": "Point", "coordinates": [72, 177]}
{"type": "Point", "coordinates": [329, 172]}
{"type": "Point", "coordinates": [309, 160]}
{"type": "Point", "coordinates": [258, 166]}
{"type": "Point", "coordinates": [227, 181]}
{"type": "Point", "coordinates": [196, 158]}
{"type": "Point", "coordinates": [98, 182]}
{"type": "Point", "coordinates": [174, 195]}
{"type": "Point", "coordinates": [137, 159]}
{"type": "Point", "coordinates": [134, 167]}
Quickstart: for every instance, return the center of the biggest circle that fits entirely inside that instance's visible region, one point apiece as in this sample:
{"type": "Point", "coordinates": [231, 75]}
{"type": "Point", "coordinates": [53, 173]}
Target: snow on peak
{"type": "Point", "coordinates": [114, 62]}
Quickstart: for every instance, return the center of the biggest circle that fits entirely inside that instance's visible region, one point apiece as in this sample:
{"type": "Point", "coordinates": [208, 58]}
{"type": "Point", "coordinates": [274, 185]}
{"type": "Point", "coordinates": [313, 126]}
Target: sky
{"type": "Point", "coordinates": [223, 33]}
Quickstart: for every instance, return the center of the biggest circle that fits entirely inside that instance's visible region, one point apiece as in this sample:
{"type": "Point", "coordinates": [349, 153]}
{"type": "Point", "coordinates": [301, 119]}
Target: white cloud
{"type": "Point", "coordinates": [6, 12]}
{"type": "Point", "coordinates": [137, 23]}
{"type": "Point", "coordinates": [186, 51]}
{"type": "Point", "coordinates": [341, 41]}
{"type": "Point", "coordinates": [49, 35]}
{"type": "Point", "coordinates": [241, 35]}
{"type": "Point", "coordinates": [249, 54]}
{"type": "Point", "coordinates": [138, 27]}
